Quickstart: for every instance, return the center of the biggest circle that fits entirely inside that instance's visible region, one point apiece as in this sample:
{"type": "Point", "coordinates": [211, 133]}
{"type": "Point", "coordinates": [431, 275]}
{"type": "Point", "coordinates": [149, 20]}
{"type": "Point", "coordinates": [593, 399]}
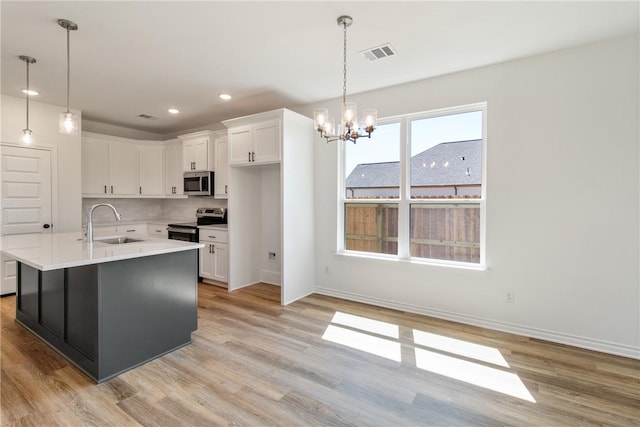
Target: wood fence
{"type": "Point", "coordinates": [438, 231]}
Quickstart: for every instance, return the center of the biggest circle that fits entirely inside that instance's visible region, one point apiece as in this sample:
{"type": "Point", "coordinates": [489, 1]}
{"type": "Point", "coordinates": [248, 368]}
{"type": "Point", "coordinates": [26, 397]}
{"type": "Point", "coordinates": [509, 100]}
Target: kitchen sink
{"type": "Point", "coordinates": [118, 240]}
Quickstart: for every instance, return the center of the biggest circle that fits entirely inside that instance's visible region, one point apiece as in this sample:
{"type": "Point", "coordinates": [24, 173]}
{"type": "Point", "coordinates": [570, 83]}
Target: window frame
{"type": "Point", "coordinates": [404, 202]}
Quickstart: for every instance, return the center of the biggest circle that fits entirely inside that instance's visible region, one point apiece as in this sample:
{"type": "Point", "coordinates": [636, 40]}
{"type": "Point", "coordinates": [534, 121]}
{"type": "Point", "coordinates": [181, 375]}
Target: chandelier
{"type": "Point", "coordinates": [349, 129]}
{"type": "Point", "coordinates": [68, 121]}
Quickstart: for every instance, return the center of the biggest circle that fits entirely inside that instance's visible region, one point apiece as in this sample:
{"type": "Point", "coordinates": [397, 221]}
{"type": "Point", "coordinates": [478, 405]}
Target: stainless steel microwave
{"type": "Point", "coordinates": [198, 183]}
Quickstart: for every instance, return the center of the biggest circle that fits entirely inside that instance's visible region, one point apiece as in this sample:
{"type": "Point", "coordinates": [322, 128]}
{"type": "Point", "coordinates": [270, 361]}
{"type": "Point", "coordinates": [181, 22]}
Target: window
{"type": "Point", "coordinates": [372, 171]}
{"type": "Point", "coordinates": [415, 190]}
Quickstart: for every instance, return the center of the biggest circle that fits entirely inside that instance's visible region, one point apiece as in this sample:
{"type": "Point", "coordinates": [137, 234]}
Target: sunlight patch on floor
{"type": "Point", "coordinates": [363, 342]}
{"type": "Point", "coordinates": [459, 347]}
{"type": "Point", "coordinates": [473, 373]}
{"type": "Point", "coordinates": [365, 324]}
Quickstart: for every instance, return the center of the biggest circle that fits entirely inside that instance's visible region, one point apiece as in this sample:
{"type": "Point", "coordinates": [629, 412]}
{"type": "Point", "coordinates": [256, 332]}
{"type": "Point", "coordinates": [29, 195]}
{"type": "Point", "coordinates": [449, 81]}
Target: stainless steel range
{"type": "Point", "coordinates": [188, 231]}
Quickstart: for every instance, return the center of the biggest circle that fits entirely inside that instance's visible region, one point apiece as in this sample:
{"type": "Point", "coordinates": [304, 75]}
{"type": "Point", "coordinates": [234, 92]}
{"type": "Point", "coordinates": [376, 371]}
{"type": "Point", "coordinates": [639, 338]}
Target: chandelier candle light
{"type": "Point", "coordinates": [68, 120]}
{"type": "Point", "coordinates": [27, 137]}
{"type": "Point", "coordinates": [350, 129]}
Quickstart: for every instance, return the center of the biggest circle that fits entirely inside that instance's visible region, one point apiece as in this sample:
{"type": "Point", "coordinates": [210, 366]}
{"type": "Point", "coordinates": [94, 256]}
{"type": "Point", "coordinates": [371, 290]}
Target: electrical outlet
{"type": "Point", "coordinates": [510, 297]}
{"type": "Point", "coordinates": [272, 255]}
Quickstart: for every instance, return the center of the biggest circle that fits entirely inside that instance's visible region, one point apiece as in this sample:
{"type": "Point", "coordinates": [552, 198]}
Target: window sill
{"type": "Point", "coordinates": [411, 261]}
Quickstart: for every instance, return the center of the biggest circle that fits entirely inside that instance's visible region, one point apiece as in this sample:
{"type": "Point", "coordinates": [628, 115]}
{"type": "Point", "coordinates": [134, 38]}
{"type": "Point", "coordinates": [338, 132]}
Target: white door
{"type": "Point", "coordinates": [25, 188]}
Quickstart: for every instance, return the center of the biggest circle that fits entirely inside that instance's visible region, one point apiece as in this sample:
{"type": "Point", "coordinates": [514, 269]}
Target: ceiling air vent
{"type": "Point", "coordinates": [146, 116]}
{"type": "Point", "coordinates": [378, 52]}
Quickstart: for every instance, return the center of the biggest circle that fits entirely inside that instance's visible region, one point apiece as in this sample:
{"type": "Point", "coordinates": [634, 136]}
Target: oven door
{"type": "Point", "coordinates": [184, 234]}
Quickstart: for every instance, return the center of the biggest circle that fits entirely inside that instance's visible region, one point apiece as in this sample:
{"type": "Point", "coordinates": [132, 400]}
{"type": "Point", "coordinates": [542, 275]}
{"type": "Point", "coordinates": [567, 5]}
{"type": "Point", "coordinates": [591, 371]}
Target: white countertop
{"type": "Point", "coordinates": [215, 226]}
{"type": "Point", "coordinates": [62, 250]}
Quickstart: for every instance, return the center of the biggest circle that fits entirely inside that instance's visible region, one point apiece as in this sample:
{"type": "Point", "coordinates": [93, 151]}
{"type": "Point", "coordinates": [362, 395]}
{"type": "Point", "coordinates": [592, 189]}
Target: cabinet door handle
{"type": "Point", "coordinates": [140, 190]}
{"type": "Point", "coordinates": [226, 189]}
{"type": "Point", "coordinates": [131, 231]}
{"type": "Point", "coordinates": [212, 237]}
{"type": "Point", "coordinates": [249, 153]}
{"type": "Point", "coordinates": [213, 249]}
{"type": "Point", "coordinates": [105, 189]}
{"type": "Point", "coordinates": [112, 189]}
{"type": "Point", "coordinates": [253, 156]}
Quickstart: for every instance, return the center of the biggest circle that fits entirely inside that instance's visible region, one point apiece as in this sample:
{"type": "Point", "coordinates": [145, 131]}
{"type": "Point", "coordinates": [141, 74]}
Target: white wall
{"type": "Point", "coordinates": [562, 202]}
{"type": "Point", "coordinates": [121, 131]}
{"type": "Point", "coordinates": [43, 121]}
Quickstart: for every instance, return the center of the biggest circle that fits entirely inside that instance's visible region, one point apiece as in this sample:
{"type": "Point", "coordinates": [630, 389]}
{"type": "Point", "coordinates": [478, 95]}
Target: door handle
{"type": "Point", "coordinates": [112, 189]}
{"type": "Point", "coordinates": [46, 225]}
{"type": "Point", "coordinates": [253, 156]}
{"type": "Point", "coordinates": [105, 189]}
{"type": "Point", "coordinates": [213, 249]}
{"type": "Point", "coordinates": [249, 153]}
{"type": "Point", "coordinates": [226, 189]}
{"type": "Point", "coordinates": [140, 190]}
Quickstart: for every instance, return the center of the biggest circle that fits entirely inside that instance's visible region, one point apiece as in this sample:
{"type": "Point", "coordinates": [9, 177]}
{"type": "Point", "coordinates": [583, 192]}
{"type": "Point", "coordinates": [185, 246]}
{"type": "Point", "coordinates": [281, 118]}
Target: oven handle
{"type": "Point", "coordinates": [181, 230]}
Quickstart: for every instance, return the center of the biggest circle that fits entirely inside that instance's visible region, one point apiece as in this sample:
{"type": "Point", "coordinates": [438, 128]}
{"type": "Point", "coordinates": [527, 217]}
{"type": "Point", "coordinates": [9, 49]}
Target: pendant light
{"type": "Point", "coordinates": [349, 129]}
{"type": "Point", "coordinates": [27, 137]}
{"type": "Point", "coordinates": [68, 120]}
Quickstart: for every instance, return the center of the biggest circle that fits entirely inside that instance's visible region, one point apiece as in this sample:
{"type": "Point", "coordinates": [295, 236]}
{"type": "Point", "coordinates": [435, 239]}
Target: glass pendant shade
{"type": "Point", "coordinates": [68, 123]}
{"type": "Point", "coordinates": [320, 117]}
{"type": "Point", "coordinates": [349, 115]}
{"type": "Point", "coordinates": [369, 119]}
{"type": "Point", "coordinates": [329, 127]}
{"type": "Point", "coordinates": [27, 137]}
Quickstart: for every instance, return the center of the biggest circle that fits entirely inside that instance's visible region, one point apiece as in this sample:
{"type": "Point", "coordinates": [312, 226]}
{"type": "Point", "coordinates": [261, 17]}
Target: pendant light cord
{"type": "Point", "coordinates": [27, 94]}
{"type": "Point", "coordinates": [344, 66]}
{"type": "Point", "coordinates": [68, 69]}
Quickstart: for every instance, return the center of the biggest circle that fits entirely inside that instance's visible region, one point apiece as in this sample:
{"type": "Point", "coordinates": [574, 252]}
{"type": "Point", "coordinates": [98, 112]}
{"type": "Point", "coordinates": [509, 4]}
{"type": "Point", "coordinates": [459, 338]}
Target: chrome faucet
{"type": "Point", "coordinates": [90, 220]}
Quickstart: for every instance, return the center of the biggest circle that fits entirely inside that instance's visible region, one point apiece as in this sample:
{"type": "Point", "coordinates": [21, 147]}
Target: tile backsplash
{"type": "Point", "coordinates": [149, 209]}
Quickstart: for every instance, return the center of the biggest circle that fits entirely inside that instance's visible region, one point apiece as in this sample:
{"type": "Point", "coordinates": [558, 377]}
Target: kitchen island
{"type": "Point", "coordinates": [106, 307]}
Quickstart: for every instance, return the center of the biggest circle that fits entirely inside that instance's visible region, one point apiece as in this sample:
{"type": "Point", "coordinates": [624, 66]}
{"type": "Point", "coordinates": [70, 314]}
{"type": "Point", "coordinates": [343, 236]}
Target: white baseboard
{"type": "Point", "coordinates": [271, 277]}
{"type": "Point", "coordinates": [553, 336]}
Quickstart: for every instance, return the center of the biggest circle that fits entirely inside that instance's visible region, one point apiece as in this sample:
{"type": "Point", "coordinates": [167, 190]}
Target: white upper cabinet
{"type": "Point", "coordinates": [121, 167]}
{"type": "Point", "coordinates": [109, 168]}
{"type": "Point", "coordinates": [198, 151]}
{"type": "Point", "coordinates": [95, 166]}
{"type": "Point", "coordinates": [173, 169]}
{"type": "Point", "coordinates": [151, 170]}
{"type": "Point", "coordinates": [257, 143]}
{"type": "Point", "coordinates": [267, 139]}
{"type": "Point", "coordinates": [221, 181]}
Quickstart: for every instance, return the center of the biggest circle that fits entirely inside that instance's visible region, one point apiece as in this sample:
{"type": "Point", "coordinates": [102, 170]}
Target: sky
{"type": "Point", "coordinates": [384, 145]}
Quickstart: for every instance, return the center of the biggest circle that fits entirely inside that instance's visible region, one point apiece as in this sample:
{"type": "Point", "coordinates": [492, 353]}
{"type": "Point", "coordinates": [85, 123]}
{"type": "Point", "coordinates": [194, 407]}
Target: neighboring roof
{"type": "Point", "coordinates": [448, 163]}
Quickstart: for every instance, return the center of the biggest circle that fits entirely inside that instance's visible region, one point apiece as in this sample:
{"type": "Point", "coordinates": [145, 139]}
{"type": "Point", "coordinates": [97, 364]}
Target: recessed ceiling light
{"type": "Point", "coordinates": [224, 96]}
{"type": "Point", "coordinates": [30, 92]}
{"type": "Point", "coordinates": [173, 110]}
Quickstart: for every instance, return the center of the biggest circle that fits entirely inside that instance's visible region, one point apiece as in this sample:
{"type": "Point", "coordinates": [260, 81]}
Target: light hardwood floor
{"type": "Point", "coordinates": [253, 362]}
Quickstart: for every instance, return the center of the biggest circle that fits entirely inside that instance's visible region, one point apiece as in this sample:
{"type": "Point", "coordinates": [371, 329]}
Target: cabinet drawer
{"type": "Point", "coordinates": [132, 229]}
{"type": "Point", "coordinates": [157, 230]}
{"type": "Point", "coordinates": [213, 235]}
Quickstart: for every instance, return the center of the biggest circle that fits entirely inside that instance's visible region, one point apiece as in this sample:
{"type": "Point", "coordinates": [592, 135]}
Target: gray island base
{"type": "Point", "coordinates": [110, 317]}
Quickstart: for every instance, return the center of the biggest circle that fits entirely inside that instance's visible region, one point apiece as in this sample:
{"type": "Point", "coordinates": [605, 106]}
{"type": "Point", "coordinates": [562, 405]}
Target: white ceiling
{"type": "Point", "coordinates": [131, 58]}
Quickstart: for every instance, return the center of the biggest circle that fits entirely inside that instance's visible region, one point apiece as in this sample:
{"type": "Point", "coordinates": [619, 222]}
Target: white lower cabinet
{"type": "Point", "coordinates": [157, 230]}
{"type": "Point", "coordinates": [214, 255]}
